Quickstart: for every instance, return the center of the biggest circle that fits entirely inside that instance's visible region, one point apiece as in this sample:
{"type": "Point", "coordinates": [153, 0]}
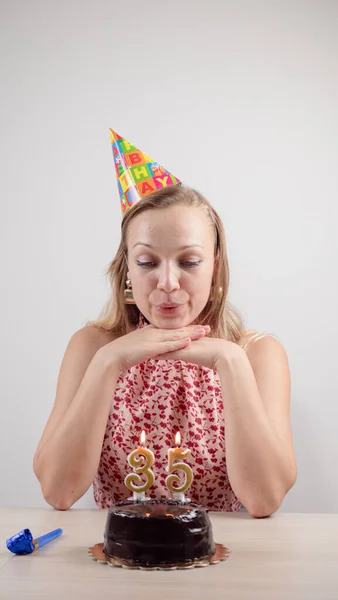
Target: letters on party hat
{"type": "Point", "coordinates": [137, 174]}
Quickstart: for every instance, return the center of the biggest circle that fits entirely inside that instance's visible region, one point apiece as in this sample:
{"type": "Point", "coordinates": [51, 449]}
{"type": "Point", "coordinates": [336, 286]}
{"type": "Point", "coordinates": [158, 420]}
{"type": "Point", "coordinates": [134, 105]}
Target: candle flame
{"type": "Point", "coordinates": [143, 438]}
{"type": "Point", "coordinates": [178, 438]}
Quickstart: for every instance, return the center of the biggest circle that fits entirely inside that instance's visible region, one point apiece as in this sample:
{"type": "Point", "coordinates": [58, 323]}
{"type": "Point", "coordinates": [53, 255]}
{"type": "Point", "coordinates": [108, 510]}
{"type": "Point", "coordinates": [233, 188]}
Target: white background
{"type": "Point", "coordinates": [238, 99]}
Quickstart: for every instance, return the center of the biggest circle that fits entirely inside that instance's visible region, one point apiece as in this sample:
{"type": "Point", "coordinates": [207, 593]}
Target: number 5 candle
{"type": "Point", "coordinates": [135, 460]}
{"type": "Point", "coordinates": [178, 454]}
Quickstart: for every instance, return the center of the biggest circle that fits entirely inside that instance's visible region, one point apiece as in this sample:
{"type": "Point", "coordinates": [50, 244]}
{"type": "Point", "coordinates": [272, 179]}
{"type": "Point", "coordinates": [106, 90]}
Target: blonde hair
{"type": "Point", "coordinates": [118, 318]}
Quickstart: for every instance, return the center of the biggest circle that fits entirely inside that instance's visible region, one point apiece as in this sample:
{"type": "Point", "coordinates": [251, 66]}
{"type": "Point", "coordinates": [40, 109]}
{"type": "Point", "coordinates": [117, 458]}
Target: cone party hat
{"type": "Point", "coordinates": [137, 174]}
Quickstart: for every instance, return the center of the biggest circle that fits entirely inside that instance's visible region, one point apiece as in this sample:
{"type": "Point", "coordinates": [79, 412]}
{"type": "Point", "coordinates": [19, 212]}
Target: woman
{"type": "Point", "coordinates": [171, 354]}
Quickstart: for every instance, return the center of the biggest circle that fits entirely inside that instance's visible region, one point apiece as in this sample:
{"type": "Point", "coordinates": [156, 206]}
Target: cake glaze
{"type": "Point", "coordinates": [158, 532]}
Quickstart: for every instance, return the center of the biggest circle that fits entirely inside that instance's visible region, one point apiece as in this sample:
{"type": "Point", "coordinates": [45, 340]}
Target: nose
{"type": "Point", "coordinates": [168, 278]}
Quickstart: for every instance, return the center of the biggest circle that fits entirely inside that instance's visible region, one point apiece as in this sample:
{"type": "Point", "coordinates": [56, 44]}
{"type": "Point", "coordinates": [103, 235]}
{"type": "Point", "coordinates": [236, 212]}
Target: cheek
{"type": "Point", "coordinates": [199, 281]}
{"type": "Point", "coordinates": [202, 288]}
{"type": "Point", "coordinates": [198, 288]}
{"type": "Point", "coordinates": [143, 282]}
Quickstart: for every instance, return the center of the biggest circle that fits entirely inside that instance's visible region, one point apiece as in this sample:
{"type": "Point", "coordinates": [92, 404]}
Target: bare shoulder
{"type": "Point", "coordinates": [258, 345]}
{"type": "Point", "coordinates": [81, 348]}
{"type": "Point", "coordinates": [263, 349]}
{"type": "Point", "coordinates": [89, 339]}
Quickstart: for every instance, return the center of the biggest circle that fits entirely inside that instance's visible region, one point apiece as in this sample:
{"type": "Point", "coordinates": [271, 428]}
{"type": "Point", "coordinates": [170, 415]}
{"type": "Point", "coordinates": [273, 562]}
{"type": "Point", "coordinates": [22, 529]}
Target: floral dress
{"type": "Point", "coordinates": [162, 397]}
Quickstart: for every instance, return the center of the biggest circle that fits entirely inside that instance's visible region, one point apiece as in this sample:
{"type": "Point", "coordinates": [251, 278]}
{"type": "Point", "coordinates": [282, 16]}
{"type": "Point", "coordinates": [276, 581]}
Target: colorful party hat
{"type": "Point", "coordinates": [137, 174]}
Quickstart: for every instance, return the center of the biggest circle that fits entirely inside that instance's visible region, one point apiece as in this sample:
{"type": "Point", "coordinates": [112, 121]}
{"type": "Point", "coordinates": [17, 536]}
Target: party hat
{"type": "Point", "coordinates": [137, 174]}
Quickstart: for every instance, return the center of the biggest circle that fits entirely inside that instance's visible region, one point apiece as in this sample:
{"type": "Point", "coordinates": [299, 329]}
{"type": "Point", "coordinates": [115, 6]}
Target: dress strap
{"type": "Point", "coordinates": [254, 337]}
{"type": "Point", "coordinates": [141, 321]}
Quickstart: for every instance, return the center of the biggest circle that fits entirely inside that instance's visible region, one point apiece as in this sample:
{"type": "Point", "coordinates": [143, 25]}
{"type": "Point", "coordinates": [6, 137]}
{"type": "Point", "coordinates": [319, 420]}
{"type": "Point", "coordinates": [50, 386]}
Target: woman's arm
{"type": "Point", "coordinates": [259, 448]}
{"type": "Point", "coordinates": [68, 454]}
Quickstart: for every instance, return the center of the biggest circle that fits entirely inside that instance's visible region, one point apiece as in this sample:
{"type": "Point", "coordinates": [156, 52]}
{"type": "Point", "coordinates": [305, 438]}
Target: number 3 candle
{"type": "Point", "coordinates": [178, 454]}
{"type": "Point", "coordinates": [135, 460]}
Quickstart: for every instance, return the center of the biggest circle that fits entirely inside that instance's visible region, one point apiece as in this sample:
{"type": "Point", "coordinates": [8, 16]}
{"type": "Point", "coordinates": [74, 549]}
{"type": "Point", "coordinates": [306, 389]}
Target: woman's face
{"type": "Point", "coordinates": [171, 263]}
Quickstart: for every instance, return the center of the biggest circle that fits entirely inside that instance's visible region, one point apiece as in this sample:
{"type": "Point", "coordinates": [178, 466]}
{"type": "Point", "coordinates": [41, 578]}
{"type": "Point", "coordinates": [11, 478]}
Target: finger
{"type": "Point", "coordinates": [199, 331]}
{"type": "Point", "coordinates": [196, 327]}
{"type": "Point", "coordinates": [192, 331]}
{"type": "Point", "coordinates": [172, 345]}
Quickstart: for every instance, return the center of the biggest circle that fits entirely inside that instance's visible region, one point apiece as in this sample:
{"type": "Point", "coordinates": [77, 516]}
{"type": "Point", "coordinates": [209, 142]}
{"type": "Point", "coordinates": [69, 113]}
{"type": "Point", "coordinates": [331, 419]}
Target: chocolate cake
{"type": "Point", "coordinates": [158, 532]}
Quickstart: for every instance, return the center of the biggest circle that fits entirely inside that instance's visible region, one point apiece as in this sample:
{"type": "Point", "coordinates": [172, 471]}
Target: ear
{"type": "Point", "coordinates": [128, 275]}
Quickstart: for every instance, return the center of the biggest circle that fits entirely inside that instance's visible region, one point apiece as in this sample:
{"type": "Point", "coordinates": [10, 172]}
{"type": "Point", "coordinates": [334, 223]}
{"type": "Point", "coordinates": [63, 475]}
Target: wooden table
{"type": "Point", "coordinates": [288, 556]}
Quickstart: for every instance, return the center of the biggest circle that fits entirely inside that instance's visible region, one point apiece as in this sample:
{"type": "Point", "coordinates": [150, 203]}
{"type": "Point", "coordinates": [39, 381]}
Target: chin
{"type": "Point", "coordinates": [171, 323]}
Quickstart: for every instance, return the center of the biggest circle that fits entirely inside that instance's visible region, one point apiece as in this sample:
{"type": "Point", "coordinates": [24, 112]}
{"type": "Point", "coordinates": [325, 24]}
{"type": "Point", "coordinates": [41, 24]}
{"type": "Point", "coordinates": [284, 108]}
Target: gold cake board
{"type": "Point", "coordinates": [97, 554]}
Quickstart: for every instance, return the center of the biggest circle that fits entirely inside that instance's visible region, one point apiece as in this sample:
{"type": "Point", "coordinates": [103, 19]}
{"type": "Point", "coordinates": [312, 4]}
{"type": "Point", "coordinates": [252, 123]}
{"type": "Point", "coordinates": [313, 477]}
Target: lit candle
{"type": "Point", "coordinates": [135, 460]}
{"type": "Point", "coordinates": [178, 454]}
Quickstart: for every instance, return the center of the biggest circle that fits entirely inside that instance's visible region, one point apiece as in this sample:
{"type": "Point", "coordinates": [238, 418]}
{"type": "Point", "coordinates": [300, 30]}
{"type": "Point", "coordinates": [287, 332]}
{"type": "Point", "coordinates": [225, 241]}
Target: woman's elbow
{"type": "Point", "coordinates": [61, 505]}
{"type": "Point", "coordinates": [62, 497]}
{"type": "Point", "coordinates": [262, 510]}
{"type": "Point", "coordinates": [259, 508]}
{"type": "Point", "coordinates": [57, 501]}
{"type": "Point", "coordinates": [36, 466]}
{"type": "Point", "coordinates": [265, 507]}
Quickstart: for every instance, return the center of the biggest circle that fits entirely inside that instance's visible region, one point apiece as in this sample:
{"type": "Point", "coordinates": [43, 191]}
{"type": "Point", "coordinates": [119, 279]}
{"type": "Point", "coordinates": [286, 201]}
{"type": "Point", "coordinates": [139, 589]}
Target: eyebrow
{"type": "Point", "coordinates": [180, 248]}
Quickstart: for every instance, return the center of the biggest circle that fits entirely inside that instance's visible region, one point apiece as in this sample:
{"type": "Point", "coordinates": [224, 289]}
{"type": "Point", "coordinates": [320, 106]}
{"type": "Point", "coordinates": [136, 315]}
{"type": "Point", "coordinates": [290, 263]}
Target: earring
{"type": "Point", "coordinates": [128, 293]}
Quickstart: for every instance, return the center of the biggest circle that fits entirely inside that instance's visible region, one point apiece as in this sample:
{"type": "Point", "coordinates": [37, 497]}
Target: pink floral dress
{"type": "Point", "coordinates": [163, 397]}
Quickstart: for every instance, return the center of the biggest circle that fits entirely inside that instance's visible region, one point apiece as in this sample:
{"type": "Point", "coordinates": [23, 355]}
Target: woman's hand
{"type": "Point", "coordinates": [149, 341]}
{"type": "Point", "coordinates": [205, 352]}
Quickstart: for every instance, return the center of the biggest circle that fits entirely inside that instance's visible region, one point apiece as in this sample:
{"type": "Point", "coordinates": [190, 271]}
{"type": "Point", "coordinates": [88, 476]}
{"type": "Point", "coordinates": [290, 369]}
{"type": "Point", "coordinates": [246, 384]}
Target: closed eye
{"type": "Point", "coordinates": [189, 263]}
{"type": "Point", "coordinates": [186, 264]}
{"type": "Point", "coordinates": [144, 264]}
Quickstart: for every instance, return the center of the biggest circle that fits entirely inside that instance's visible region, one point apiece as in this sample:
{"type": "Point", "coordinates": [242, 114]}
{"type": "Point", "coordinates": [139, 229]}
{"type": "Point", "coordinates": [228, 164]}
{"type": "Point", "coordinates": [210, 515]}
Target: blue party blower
{"type": "Point", "coordinates": [23, 543]}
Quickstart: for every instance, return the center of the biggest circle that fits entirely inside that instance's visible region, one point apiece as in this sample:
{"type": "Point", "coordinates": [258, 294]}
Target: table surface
{"type": "Point", "coordinates": [287, 556]}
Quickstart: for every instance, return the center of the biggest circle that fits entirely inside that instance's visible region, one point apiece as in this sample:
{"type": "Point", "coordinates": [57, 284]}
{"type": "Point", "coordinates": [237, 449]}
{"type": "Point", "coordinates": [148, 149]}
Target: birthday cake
{"type": "Point", "coordinates": [158, 532]}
